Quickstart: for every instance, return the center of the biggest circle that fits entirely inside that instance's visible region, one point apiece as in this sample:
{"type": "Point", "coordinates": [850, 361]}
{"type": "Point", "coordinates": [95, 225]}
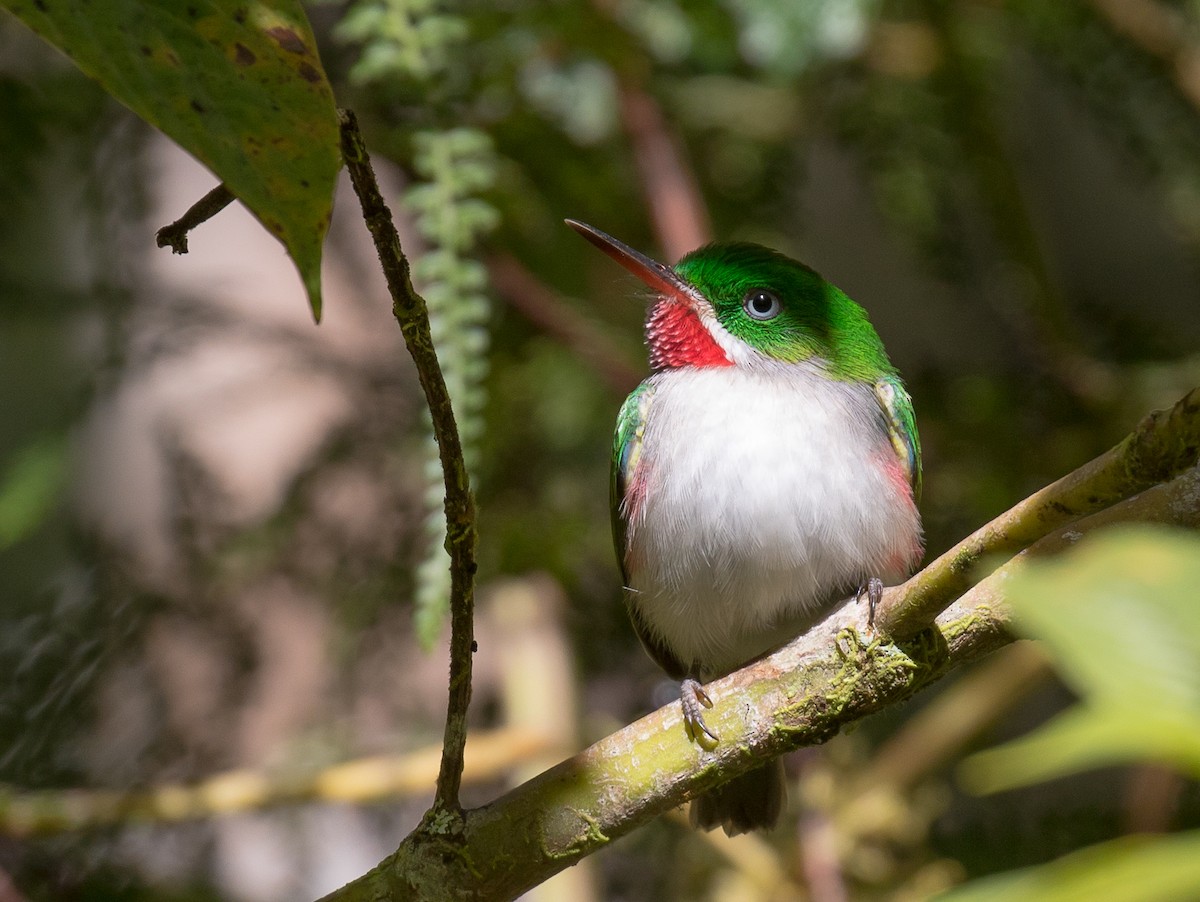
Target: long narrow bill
{"type": "Point", "coordinates": [657, 275]}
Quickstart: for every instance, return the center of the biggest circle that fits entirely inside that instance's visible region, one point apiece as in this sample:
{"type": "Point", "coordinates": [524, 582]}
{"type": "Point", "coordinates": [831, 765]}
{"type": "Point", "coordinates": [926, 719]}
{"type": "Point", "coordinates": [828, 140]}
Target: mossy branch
{"type": "Point", "coordinates": [413, 316]}
{"type": "Point", "coordinates": [801, 695]}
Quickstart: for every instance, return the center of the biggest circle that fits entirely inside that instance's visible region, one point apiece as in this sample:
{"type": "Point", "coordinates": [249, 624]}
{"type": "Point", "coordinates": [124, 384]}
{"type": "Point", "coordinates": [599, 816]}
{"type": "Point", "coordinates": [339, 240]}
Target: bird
{"type": "Point", "coordinates": [768, 469]}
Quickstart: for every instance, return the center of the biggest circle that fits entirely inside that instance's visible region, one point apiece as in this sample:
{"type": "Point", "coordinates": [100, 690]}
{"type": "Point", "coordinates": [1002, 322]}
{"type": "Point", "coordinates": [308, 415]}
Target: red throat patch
{"type": "Point", "coordinates": [677, 338]}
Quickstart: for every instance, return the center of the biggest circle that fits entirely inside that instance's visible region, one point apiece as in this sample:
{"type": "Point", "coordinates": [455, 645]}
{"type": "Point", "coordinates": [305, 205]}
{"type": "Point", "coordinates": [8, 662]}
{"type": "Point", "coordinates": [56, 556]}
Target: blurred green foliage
{"type": "Point", "coordinates": [30, 487]}
{"type": "Point", "coordinates": [401, 38]}
{"type": "Point", "coordinates": [1130, 869]}
{"type": "Point", "coordinates": [1119, 618]}
{"type": "Point", "coordinates": [456, 165]}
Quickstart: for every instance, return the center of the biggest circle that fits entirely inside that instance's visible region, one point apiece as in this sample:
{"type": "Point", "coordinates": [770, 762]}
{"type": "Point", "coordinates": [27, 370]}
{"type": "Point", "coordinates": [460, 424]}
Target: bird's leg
{"type": "Point", "coordinates": [694, 699]}
{"type": "Point", "coordinates": [873, 589]}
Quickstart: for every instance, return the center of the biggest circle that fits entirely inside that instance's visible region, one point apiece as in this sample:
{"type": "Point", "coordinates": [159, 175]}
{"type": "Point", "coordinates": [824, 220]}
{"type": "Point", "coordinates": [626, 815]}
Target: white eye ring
{"type": "Point", "coordinates": [760, 304]}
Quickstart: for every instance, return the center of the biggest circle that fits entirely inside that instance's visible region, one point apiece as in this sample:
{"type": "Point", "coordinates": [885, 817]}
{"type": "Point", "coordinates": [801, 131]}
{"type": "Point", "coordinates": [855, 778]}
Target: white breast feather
{"type": "Point", "coordinates": [765, 497]}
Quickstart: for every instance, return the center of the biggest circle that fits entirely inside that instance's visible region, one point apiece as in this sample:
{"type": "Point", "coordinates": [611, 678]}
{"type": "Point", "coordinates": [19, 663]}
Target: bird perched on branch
{"type": "Point", "coordinates": [767, 469]}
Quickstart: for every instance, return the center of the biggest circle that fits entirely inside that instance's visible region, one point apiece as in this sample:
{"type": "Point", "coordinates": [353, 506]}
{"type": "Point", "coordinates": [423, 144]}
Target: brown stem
{"type": "Point", "coordinates": [413, 316]}
{"type": "Point", "coordinates": [176, 234]}
{"type": "Point", "coordinates": [679, 213]}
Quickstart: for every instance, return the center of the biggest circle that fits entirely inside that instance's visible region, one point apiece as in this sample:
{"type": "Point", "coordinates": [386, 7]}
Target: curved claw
{"type": "Point", "coordinates": [873, 589]}
{"type": "Point", "coordinates": [694, 699]}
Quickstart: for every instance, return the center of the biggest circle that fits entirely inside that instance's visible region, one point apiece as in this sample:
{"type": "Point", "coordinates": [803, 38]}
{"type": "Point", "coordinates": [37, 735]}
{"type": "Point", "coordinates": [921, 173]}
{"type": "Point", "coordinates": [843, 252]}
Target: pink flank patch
{"type": "Point", "coordinates": [904, 559]}
{"type": "Point", "coordinates": [631, 508]}
{"type": "Point", "coordinates": [677, 338]}
{"type": "Point", "coordinates": [635, 497]}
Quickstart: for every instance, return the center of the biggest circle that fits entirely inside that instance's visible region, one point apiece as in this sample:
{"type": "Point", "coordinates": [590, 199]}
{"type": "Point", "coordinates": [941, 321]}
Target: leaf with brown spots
{"type": "Point", "coordinates": [237, 83]}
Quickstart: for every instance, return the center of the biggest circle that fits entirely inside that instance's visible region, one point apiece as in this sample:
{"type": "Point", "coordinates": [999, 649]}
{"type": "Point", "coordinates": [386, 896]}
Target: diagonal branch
{"type": "Point", "coordinates": [801, 695]}
{"type": "Point", "coordinates": [1164, 444]}
{"type": "Point", "coordinates": [411, 313]}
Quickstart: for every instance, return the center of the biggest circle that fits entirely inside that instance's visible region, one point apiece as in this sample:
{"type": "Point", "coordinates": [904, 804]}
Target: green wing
{"type": "Point", "coordinates": [627, 450]}
{"type": "Point", "coordinates": [902, 428]}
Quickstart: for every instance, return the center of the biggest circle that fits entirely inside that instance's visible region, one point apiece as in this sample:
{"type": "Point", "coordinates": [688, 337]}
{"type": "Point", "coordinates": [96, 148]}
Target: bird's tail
{"type": "Point", "coordinates": [752, 801]}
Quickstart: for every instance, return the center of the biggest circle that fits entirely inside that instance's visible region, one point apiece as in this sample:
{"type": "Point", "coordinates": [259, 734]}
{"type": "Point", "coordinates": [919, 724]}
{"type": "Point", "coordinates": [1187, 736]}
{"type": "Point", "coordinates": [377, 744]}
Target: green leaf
{"type": "Point", "coordinates": [1119, 616]}
{"type": "Point", "coordinates": [1084, 738]}
{"type": "Point", "coordinates": [1130, 869]}
{"type": "Point", "coordinates": [237, 83]}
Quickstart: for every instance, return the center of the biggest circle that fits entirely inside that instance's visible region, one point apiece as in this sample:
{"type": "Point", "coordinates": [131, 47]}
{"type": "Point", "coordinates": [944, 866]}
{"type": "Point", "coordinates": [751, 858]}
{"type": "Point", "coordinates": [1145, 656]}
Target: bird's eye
{"type": "Point", "coordinates": [761, 305]}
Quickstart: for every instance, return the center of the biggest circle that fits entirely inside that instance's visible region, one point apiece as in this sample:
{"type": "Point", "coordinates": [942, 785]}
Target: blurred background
{"type": "Point", "coordinates": [215, 530]}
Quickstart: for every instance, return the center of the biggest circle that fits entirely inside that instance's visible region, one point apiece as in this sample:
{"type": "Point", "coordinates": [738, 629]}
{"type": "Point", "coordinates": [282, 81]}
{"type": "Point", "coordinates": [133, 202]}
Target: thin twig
{"type": "Point", "coordinates": [411, 312]}
{"type": "Point", "coordinates": [176, 234]}
{"type": "Point", "coordinates": [1164, 444]}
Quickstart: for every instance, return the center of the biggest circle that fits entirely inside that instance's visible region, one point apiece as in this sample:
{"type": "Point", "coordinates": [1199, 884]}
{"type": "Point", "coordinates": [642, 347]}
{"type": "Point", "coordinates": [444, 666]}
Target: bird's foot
{"type": "Point", "coordinates": [694, 700]}
{"type": "Point", "coordinates": [873, 589]}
